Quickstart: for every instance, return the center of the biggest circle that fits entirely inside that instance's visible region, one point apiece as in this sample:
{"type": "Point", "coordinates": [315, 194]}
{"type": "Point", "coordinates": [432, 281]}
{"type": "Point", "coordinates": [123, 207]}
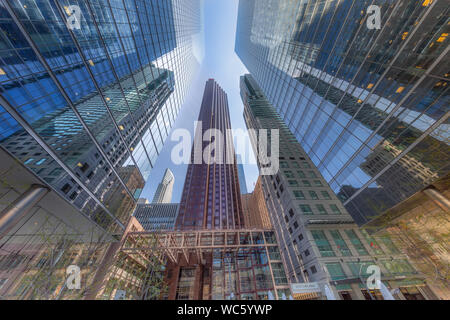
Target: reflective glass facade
{"type": "Point", "coordinates": [370, 107]}
{"type": "Point", "coordinates": [85, 110]}
{"type": "Point", "coordinates": [88, 109]}
{"type": "Point", "coordinates": [319, 240]}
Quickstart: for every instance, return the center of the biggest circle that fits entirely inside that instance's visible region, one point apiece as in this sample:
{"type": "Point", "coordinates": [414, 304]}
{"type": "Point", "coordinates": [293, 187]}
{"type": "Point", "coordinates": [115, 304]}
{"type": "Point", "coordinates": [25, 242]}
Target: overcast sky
{"type": "Point", "coordinates": [221, 63]}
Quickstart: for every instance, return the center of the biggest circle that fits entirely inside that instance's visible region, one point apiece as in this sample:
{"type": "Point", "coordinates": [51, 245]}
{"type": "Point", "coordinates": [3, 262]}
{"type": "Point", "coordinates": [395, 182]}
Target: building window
{"type": "Point", "coordinates": [312, 174]}
{"type": "Point", "coordinates": [41, 161]}
{"type": "Point", "coordinates": [30, 160]}
{"type": "Point", "coordinates": [300, 237]}
{"type": "Point", "coordinates": [313, 269]}
{"type": "Point", "coordinates": [66, 188]}
{"type": "Point", "coordinates": [301, 174]}
{"type": "Point", "coordinates": [340, 243]}
{"type": "Point", "coordinates": [372, 242]}
{"type": "Point", "coordinates": [334, 208]}
{"type": "Point", "coordinates": [185, 289]}
{"type": "Point", "coordinates": [322, 243]}
{"type": "Point", "coordinates": [345, 295]}
{"type": "Point", "coordinates": [299, 195]}
{"type": "Point", "coordinates": [284, 164]}
{"type": "Point", "coordinates": [278, 273]}
{"type": "Point", "coordinates": [356, 242]}
{"type": "Point", "coordinates": [289, 174]}
{"type": "Point", "coordinates": [359, 269]}
{"type": "Point", "coordinates": [317, 183]}
{"type": "Point", "coordinates": [281, 188]}
{"type": "Point", "coordinates": [306, 209]}
{"type": "Point", "coordinates": [307, 253]}
{"type": "Point", "coordinates": [389, 244]}
{"type": "Point", "coordinates": [313, 195]}
{"type": "Point", "coordinates": [306, 183]}
{"type": "Point", "coordinates": [286, 219]}
{"type": "Point", "coordinates": [335, 270]}
{"type": "Point", "coordinates": [291, 213]}
{"type": "Point", "coordinates": [321, 209]}
{"type": "Point", "coordinates": [293, 183]}
{"type": "Point", "coordinates": [325, 195]}
{"type": "Point", "coordinates": [295, 224]}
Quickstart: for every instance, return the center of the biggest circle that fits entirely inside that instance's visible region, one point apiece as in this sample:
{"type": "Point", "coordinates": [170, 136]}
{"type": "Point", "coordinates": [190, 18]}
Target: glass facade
{"type": "Point", "coordinates": [88, 108]}
{"type": "Point", "coordinates": [318, 239]}
{"type": "Point", "coordinates": [370, 107]}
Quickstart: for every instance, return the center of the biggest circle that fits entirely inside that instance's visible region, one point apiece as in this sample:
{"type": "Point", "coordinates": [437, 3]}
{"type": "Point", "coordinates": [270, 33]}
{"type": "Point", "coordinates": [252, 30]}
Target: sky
{"type": "Point", "coordinates": [221, 63]}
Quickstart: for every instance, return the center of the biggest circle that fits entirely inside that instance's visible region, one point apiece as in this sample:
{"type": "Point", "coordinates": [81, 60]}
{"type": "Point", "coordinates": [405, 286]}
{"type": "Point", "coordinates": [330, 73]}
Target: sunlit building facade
{"type": "Point", "coordinates": [256, 214]}
{"type": "Point", "coordinates": [163, 193]}
{"type": "Point", "coordinates": [369, 106]}
{"type": "Point", "coordinates": [319, 241]}
{"type": "Point", "coordinates": [157, 217]}
{"type": "Point", "coordinates": [88, 108]}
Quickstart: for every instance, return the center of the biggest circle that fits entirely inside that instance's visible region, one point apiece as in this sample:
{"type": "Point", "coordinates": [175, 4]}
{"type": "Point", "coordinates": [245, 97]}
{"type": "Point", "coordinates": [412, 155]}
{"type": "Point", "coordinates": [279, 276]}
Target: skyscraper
{"type": "Point", "coordinates": [368, 105]}
{"type": "Point", "coordinates": [241, 175]}
{"type": "Point", "coordinates": [156, 216]}
{"type": "Point", "coordinates": [89, 93]}
{"type": "Point", "coordinates": [319, 241]}
{"type": "Point", "coordinates": [255, 209]}
{"type": "Point", "coordinates": [213, 255]}
{"type": "Point", "coordinates": [163, 193]}
{"type": "Point", "coordinates": [211, 195]}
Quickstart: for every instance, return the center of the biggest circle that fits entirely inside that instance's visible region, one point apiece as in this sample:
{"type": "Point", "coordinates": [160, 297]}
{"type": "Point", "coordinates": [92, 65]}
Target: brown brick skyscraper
{"type": "Point", "coordinates": [211, 196]}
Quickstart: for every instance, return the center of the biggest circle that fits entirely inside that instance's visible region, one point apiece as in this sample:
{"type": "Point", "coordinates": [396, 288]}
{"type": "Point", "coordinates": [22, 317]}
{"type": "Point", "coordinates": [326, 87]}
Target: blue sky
{"type": "Point", "coordinates": [221, 63]}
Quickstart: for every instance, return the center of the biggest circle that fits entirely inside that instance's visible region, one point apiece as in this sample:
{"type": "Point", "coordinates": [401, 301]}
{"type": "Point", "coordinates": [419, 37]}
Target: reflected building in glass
{"type": "Point", "coordinates": [88, 108]}
{"type": "Point", "coordinates": [369, 106]}
{"type": "Point", "coordinates": [163, 193]}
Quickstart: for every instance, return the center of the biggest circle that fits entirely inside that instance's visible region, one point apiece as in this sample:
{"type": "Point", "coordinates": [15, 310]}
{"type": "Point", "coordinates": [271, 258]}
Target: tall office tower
{"type": "Point", "coordinates": [319, 240]}
{"type": "Point", "coordinates": [89, 93]}
{"type": "Point", "coordinates": [157, 217]}
{"type": "Point", "coordinates": [241, 175]}
{"type": "Point", "coordinates": [368, 105]}
{"type": "Point", "coordinates": [211, 197]}
{"type": "Point", "coordinates": [256, 214]}
{"type": "Point", "coordinates": [211, 255]}
{"type": "Point", "coordinates": [163, 193]}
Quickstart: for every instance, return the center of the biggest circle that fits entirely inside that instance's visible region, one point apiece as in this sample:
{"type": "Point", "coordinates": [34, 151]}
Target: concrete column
{"type": "Point", "coordinates": [356, 292]}
{"type": "Point", "coordinates": [12, 214]}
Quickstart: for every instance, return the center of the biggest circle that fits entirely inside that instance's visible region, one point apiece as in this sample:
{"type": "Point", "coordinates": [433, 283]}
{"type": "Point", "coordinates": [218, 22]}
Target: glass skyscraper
{"type": "Point", "coordinates": [241, 175]}
{"type": "Point", "coordinates": [318, 239]}
{"type": "Point", "coordinates": [89, 92]}
{"type": "Point", "coordinates": [369, 106]}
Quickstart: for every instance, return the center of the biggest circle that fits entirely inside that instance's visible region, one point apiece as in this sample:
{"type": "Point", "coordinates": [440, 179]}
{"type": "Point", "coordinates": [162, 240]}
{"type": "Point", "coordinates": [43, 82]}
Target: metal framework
{"type": "Point", "coordinates": [175, 244]}
{"type": "Point", "coordinates": [149, 251]}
